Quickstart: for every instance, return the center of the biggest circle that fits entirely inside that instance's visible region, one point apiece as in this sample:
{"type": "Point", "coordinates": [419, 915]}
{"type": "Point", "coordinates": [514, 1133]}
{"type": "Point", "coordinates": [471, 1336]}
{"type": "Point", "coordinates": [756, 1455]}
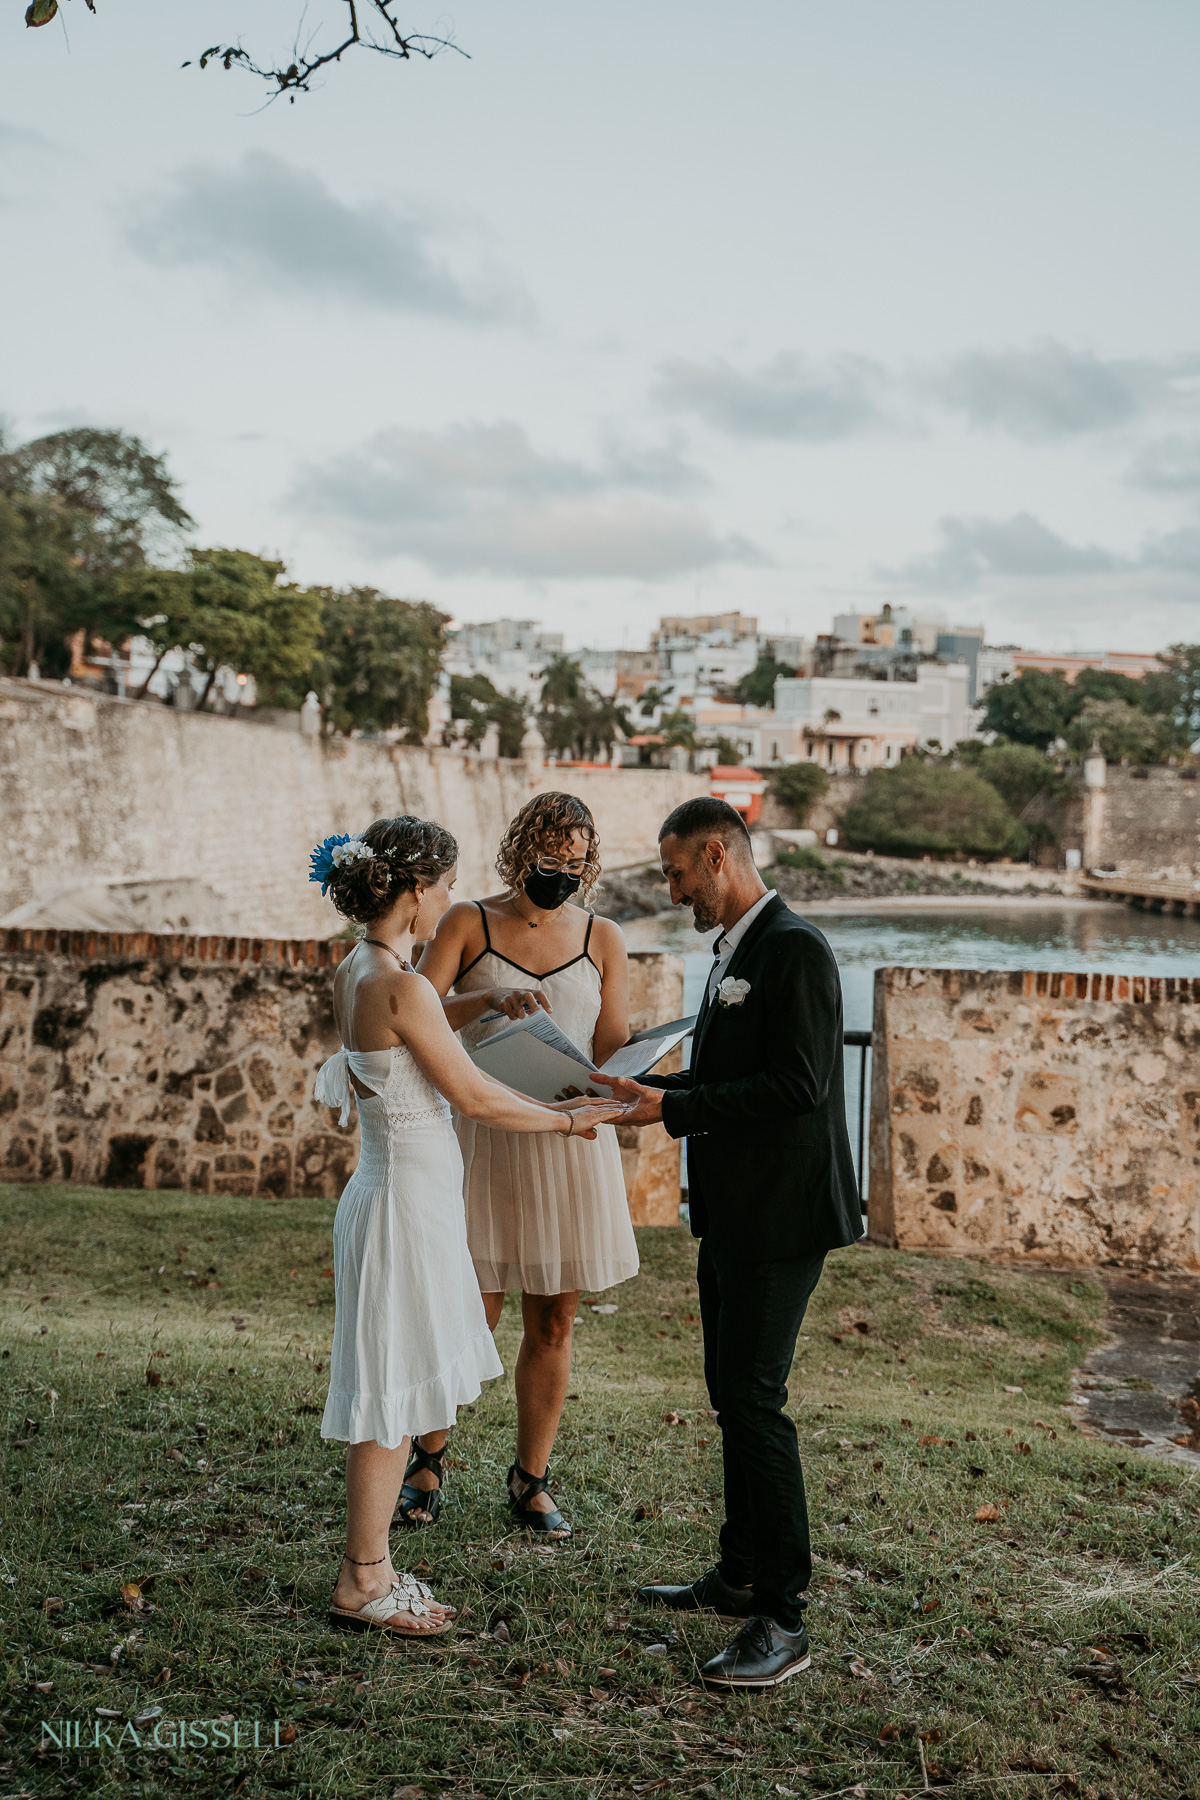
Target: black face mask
{"type": "Point", "coordinates": [549, 891]}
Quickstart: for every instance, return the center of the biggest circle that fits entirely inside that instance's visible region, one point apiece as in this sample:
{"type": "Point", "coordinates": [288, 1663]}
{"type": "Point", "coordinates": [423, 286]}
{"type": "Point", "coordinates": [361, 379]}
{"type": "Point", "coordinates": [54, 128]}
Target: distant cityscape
{"type": "Point", "coordinates": [863, 695]}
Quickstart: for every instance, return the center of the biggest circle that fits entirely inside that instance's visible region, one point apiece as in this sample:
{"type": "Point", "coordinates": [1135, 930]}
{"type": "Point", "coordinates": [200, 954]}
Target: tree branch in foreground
{"type": "Point", "coordinates": [371, 25]}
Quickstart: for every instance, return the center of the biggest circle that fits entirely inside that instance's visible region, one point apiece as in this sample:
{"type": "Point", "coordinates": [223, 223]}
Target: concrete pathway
{"type": "Point", "coordinates": [1142, 1387]}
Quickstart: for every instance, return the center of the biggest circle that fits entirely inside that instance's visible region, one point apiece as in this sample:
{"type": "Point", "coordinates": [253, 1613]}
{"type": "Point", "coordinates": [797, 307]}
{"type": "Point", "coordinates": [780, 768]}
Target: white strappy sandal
{"type": "Point", "coordinates": [408, 1598]}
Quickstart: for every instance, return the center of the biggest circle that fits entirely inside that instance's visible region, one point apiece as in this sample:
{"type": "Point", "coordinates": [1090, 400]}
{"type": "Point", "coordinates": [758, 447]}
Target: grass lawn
{"type": "Point", "coordinates": [163, 1373]}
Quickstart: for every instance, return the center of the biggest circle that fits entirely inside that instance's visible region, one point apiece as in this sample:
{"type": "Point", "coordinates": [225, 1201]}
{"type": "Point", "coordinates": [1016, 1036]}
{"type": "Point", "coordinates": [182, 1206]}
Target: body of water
{"type": "Point", "coordinates": [1021, 936]}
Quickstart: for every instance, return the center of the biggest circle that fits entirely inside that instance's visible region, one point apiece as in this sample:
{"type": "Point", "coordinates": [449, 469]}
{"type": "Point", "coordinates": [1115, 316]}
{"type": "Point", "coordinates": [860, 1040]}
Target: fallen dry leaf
{"type": "Point", "coordinates": [859, 1668]}
{"type": "Point", "coordinates": [673, 1418]}
{"type": "Point", "coordinates": [288, 1736]}
{"type": "Point", "coordinates": [928, 1440]}
{"type": "Point", "coordinates": [501, 1633]}
{"type": "Point", "coordinates": [1023, 1449]}
{"type": "Point", "coordinates": [131, 1594]}
{"type": "Point", "coordinates": [987, 1514]}
{"type": "Point", "coordinates": [53, 1604]}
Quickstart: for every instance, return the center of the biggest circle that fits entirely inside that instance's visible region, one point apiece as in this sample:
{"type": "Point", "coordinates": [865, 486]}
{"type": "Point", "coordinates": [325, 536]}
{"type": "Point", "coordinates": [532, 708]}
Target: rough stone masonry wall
{"type": "Point", "coordinates": [96, 789]}
{"type": "Point", "coordinates": [1144, 821]}
{"type": "Point", "coordinates": [140, 1061]}
{"type": "Point", "coordinates": [1054, 1116]}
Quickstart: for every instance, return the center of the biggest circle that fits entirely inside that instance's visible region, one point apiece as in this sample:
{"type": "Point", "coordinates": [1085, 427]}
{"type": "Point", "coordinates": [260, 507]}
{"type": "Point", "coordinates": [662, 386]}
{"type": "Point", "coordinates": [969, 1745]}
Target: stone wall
{"type": "Point", "coordinates": [1054, 1116]}
{"type": "Point", "coordinates": [94, 789]}
{"type": "Point", "coordinates": [141, 1061]}
{"type": "Point", "coordinates": [1145, 821]}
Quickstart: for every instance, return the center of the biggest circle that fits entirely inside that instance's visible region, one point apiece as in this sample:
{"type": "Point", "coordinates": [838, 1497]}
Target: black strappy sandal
{"type": "Point", "coordinates": [541, 1522]}
{"type": "Point", "coordinates": [415, 1499]}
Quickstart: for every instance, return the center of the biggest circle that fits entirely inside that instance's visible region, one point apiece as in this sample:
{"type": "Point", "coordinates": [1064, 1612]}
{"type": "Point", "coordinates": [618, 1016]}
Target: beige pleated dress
{"type": "Point", "coordinates": [546, 1214]}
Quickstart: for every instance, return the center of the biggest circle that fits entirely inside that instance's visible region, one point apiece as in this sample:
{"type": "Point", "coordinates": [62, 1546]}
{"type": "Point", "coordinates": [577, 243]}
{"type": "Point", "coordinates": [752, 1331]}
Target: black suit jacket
{"type": "Point", "coordinates": [763, 1104]}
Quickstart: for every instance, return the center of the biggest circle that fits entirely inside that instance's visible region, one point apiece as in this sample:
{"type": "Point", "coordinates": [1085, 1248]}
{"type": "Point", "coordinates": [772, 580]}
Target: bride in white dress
{"type": "Point", "coordinates": [411, 1343]}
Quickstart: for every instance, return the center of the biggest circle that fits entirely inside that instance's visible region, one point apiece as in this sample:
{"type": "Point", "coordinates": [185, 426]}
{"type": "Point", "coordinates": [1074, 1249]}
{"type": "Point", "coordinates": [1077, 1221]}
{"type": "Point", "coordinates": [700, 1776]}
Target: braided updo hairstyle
{"type": "Point", "coordinates": [409, 853]}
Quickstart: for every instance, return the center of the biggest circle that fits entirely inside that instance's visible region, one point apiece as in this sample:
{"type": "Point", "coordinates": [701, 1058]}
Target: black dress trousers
{"type": "Point", "coordinates": [751, 1314]}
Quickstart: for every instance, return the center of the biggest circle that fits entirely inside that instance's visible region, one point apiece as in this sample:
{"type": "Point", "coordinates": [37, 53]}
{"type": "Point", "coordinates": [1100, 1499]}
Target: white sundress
{"type": "Point", "coordinates": [410, 1339]}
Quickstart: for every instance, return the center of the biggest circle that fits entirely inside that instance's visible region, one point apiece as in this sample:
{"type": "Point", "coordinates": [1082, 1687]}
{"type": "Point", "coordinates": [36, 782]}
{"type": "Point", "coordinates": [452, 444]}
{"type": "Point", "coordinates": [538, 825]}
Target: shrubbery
{"type": "Point", "coordinates": [796, 786]}
{"type": "Point", "coordinates": [924, 807]}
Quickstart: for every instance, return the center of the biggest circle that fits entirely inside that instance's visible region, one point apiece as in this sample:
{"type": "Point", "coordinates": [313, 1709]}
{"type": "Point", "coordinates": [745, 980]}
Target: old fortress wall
{"type": "Point", "coordinates": [94, 789]}
{"type": "Point", "coordinates": [1054, 1116]}
{"type": "Point", "coordinates": [131, 1060]}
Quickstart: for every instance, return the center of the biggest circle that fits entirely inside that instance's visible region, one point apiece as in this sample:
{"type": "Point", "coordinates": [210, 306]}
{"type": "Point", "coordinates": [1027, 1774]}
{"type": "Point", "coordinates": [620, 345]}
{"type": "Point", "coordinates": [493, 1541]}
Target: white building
{"type": "Point", "coordinates": [847, 724]}
{"type": "Point", "coordinates": [512, 653]}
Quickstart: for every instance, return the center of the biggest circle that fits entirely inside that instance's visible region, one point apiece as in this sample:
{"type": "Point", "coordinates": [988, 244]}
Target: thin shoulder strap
{"type": "Point", "coordinates": [587, 936]}
{"type": "Point", "coordinates": [486, 934]}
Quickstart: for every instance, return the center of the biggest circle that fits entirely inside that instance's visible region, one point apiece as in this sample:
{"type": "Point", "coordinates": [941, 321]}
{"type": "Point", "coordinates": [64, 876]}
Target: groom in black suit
{"type": "Point", "coordinates": [772, 1189]}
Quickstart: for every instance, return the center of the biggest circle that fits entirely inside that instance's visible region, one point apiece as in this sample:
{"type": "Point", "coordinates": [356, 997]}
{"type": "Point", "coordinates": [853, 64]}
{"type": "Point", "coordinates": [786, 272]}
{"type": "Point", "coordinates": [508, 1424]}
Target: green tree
{"type": "Point", "coordinates": [796, 786]}
{"type": "Point", "coordinates": [1107, 684]}
{"type": "Point", "coordinates": [127, 491]}
{"type": "Point", "coordinates": [1179, 687]}
{"type": "Point", "coordinates": [921, 806]}
{"type": "Point", "coordinates": [758, 687]}
{"type": "Point", "coordinates": [480, 702]}
{"type": "Point", "coordinates": [728, 754]}
{"type": "Point", "coordinates": [379, 661]}
{"type": "Point", "coordinates": [1033, 708]}
{"type": "Point", "coordinates": [1125, 733]}
{"type": "Point", "coordinates": [44, 592]}
{"type": "Point", "coordinates": [241, 616]}
{"type": "Point", "coordinates": [1016, 771]}
{"type": "Point", "coordinates": [679, 731]}
{"type": "Point", "coordinates": [573, 716]}
{"type": "Point", "coordinates": [79, 510]}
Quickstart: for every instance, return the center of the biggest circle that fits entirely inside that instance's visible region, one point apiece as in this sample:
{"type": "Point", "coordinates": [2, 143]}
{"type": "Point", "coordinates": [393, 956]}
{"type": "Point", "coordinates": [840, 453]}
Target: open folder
{"type": "Point", "coordinates": [537, 1058]}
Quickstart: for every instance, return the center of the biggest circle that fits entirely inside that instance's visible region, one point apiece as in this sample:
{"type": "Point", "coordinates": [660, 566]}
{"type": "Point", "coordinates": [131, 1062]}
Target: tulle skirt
{"type": "Point", "coordinates": [546, 1214]}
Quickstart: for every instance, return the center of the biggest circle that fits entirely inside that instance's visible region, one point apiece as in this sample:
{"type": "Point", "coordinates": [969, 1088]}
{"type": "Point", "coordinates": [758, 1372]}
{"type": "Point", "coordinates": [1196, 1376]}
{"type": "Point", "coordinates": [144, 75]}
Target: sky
{"type": "Point", "coordinates": [795, 308]}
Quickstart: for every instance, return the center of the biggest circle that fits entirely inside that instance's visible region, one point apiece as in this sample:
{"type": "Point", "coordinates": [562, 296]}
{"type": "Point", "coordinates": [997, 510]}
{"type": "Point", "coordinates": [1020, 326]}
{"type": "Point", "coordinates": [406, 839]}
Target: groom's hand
{"type": "Point", "coordinates": [646, 1101]}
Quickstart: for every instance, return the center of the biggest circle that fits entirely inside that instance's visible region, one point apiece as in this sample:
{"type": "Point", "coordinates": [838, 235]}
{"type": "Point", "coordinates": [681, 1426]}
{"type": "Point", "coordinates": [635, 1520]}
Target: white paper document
{"type": "Point", "coordinates": [537, 1058]}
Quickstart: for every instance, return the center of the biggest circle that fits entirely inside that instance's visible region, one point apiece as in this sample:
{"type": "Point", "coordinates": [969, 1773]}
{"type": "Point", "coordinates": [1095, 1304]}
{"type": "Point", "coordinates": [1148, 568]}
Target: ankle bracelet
{"type": "Point", "coordinates": [366, 1565]}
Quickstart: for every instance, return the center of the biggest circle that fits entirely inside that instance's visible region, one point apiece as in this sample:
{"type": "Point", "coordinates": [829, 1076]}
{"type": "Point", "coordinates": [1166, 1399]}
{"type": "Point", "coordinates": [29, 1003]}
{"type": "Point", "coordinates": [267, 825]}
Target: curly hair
{"type": "Point", "coordinates": [409, 853]}
{"type": "Point", "coordinates": [543, 827]}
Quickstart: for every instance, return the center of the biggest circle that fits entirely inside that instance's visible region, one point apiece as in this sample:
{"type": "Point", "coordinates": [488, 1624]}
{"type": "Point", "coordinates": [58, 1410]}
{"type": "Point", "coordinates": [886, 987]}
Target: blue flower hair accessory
{"type": "Point", "coordinates": [333, 854]}
{"type": "Point", "coordinates": [336, 852]}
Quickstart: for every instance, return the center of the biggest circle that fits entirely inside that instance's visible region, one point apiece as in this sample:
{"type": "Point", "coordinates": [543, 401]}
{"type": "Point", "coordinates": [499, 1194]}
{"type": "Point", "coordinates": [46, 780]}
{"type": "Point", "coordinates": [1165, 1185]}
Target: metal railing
{"type": "Point", "coordinates": [860, 1041]}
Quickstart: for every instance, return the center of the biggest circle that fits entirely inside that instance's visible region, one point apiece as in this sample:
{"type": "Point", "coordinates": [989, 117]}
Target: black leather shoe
{"type": "Point", "coordinates": [712, 1593]}
{"type": "Point", "coordinates": [761, 1656]}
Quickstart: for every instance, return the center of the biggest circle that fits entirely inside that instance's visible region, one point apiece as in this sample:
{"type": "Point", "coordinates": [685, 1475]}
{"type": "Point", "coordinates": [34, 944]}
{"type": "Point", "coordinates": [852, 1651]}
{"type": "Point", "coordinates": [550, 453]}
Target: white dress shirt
{"type": "Point", "coordinates": [727, 943]}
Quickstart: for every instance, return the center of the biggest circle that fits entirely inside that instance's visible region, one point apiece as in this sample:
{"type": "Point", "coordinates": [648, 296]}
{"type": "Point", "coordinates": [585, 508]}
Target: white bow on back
{"type": "Point", "coordinates": [333, 1088]}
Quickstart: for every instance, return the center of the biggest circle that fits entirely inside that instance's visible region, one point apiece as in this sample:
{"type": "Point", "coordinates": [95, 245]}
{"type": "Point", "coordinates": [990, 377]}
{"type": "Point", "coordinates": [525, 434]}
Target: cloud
{"type": "Point", "coordinates": [790, 397]}
{"type": "Point", "coordinates": [17, 137]}
{"type": "Point", "coordinates": [272, 226]}
{"type": "Point", "coordinates": [1003, 553]}
{"type": "Point", "coordinates": [1169, 466]}
{"type": "Point", "coordinates": [481, 499]}
{"type": "Point", "coordinates": [973, 548]}
{"type": "Point", "coordinates": [1049, 391]}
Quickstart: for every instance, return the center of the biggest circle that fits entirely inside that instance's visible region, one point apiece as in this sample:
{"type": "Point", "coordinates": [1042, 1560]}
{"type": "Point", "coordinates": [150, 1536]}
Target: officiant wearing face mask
{"type": "Point", "coordinates": [555, 1222]}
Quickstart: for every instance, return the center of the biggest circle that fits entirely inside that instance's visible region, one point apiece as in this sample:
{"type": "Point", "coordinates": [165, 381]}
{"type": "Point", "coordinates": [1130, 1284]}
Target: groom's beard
{"type": "Point", "coordinates": [705, 905]}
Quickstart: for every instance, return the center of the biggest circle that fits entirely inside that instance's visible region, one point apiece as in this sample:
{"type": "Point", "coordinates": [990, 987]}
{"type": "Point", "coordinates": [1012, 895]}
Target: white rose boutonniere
{"type": "Point", "coordinates": [731, 992]}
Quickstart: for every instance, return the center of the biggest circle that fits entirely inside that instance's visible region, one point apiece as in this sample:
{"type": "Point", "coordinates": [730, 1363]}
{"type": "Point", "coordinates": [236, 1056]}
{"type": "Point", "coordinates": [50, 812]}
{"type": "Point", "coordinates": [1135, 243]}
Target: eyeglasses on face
{"type": "Point", "coordinates": [557, 865]}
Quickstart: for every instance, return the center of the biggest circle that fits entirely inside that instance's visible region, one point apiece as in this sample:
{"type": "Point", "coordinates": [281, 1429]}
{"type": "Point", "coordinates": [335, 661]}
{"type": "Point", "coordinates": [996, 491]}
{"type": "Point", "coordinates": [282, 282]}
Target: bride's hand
{"type": "Point", "coordinates": [587, 1114]}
